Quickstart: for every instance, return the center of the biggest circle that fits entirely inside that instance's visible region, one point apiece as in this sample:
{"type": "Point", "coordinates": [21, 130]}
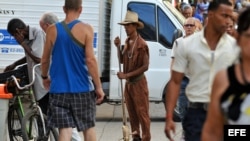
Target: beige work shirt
{"type": "Point", "coordinates": [202, 63]}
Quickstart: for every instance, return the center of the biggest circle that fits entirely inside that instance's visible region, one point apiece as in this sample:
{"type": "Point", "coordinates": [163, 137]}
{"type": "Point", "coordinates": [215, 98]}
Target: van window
{"type": "Point", "coordinates": [161, 31]}
{"type": "Point", "coordinates": [146, 12]}
{"type": "Point", "coordinates": [166, 29]}
{"type": "Point", "coordinates": [175, 12]}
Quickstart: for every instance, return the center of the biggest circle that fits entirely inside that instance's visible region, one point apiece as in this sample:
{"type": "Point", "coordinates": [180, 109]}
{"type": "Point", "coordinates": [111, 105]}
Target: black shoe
{"type": "Point", "coordinates": [137, 139]}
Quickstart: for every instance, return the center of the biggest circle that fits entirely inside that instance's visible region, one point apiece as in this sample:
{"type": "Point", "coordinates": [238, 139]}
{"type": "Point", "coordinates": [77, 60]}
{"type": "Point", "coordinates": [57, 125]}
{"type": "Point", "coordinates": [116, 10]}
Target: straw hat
{"type": "Point", "coordinates": [132, 17]}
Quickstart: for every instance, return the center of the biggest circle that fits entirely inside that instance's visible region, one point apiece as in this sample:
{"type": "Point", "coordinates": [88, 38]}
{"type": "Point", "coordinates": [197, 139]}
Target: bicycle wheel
{"type": "Point", "coordinates": [51, 133]}
{"type": "Point", "coordinates": [14, 123]}
{"type": "Point", "coordinates": [32, 128]}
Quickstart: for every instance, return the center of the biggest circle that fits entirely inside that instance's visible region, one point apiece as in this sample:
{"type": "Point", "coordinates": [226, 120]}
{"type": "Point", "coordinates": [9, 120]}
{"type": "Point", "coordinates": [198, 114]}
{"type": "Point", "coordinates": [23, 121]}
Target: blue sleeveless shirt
{"type": "Point", "coordinates": [68, 71]}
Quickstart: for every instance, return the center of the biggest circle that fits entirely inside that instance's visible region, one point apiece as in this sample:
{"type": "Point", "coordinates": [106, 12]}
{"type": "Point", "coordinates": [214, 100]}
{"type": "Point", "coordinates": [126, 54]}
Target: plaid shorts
{"type": "Point", "coordinates": [72, 110]}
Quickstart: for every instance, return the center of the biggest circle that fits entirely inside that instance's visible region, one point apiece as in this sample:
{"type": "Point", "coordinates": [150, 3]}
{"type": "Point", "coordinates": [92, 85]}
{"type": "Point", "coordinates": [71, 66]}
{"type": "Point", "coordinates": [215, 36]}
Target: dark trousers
{"type": "Point", "coordinates": [182, 102]}
{"type": "Point", "coordinates": [43, 103]}
{"type": "Point", "coordinates": [193, 122]}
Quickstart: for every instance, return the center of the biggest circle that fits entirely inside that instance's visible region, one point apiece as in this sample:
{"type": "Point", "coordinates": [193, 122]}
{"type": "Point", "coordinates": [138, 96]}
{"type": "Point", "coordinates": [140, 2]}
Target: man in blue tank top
{"type": "Point", "coordinates": [73, 68]}
{"type": "Point", "coordinates": [46, 20]}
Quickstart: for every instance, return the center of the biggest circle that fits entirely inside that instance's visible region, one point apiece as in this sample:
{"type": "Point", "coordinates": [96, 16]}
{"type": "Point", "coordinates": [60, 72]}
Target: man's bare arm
{"type": "Point", "coordinates": [50, 39]}
{"type": "Point", "coordinates": [29, 52]}
{"type": "Point", "coordinates": [172, 94]}
{"type": "Point", "coordinates": [92, 63]}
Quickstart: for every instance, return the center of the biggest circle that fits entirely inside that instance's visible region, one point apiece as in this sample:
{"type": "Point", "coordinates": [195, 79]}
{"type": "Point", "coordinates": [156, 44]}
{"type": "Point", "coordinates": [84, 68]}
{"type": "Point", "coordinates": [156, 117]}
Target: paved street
{"type": "Point", "coordinates": [109, 123]}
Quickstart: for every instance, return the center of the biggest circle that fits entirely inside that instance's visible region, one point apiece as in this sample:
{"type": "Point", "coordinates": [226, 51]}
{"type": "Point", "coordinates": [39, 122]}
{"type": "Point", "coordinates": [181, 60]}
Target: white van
{"type": "Point", "coordinates": [160, 20]}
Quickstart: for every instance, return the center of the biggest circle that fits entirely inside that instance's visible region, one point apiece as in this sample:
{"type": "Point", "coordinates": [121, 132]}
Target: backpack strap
{"type": "Point", "coordinates": [71, 35]}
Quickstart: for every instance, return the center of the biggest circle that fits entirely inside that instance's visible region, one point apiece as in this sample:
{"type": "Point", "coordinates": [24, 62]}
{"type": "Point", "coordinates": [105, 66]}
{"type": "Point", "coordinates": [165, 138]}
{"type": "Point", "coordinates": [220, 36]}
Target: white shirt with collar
{"type": "Point", "coordinates": [175, 49]}
{"type": "Point", "coordinates": [175, 46]}
{"type": "Point", "coordinates": [36, 43]}
{"type": "Point", "coordinates": [195, 57]}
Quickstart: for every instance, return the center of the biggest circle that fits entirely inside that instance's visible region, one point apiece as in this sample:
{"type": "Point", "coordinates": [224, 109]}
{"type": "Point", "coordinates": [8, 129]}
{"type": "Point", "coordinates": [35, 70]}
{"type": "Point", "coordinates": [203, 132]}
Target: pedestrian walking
{"type": "Point", "coordinates": [70, 73]}
{"type": "Point", "coordinates": [230, 98]}
{"type": "Point", "coordinates": [182, 102]}
{"type": "Point", "coordinates": [187, 11]}
{"type": "Point", "coordinates": [46, 20]}
{"type": "Point", "coordinates": [201, 55]}
{"type": "Point", "coordinates": [202, 8]}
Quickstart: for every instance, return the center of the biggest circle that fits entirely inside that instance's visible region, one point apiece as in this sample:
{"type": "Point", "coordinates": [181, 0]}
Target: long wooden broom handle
{"type": "Point", "coordinates": [124, 117]}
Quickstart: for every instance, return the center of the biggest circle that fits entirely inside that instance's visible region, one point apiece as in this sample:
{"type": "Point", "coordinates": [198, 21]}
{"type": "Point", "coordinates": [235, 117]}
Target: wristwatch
{"type": "Point", "coordinates": [44, 77]}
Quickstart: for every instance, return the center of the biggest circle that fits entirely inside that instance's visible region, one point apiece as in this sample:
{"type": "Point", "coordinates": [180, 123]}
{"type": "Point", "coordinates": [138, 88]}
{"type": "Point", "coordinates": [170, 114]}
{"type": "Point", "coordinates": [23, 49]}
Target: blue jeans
{"type": "Point", "coordinates": [182, 102]}
{"type": "Point", "coordinates": [193, 123]}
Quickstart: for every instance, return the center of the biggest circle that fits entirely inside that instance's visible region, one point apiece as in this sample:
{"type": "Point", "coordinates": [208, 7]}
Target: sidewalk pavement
{"type": "Point", "coordinates": [114, 111]}
{"type": "Point", "coordinates": [109, 123]}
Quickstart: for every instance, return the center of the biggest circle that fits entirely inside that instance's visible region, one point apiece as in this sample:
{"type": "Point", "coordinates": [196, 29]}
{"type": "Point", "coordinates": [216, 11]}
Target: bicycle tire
{"type": "Point", "coordinates": [14, 123]}
{"type": "Point", "coordinates": [32, 128]}
{"type": "Point", "coordinates": [52, 131]}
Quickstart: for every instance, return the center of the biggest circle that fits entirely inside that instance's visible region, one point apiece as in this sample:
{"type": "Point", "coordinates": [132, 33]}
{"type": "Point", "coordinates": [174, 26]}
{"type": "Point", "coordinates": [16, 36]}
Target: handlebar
{"type": "Point", "coordinates": [31, 83]}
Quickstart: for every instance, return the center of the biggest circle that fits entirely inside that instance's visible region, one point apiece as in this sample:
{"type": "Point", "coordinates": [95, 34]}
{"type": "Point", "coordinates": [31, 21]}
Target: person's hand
{"type": "Point", "coordinates": [121, 75]}
{"type": "Point", "coordinates": [10, 67]}
{"type": "Point", "coordinates": [46, 83]}
{"type": "Point", "coordinates": [19, 38]}
{"type": "Point", "coordinates": [169, 129]}
{"type": "Point", "coordinates": [117, 41]}
{"type": "Point", "coordinates": [99, 95]}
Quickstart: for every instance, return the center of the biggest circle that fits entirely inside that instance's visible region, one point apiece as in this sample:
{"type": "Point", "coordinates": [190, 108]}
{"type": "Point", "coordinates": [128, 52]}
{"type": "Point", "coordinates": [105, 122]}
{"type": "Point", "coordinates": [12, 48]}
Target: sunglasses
{"type": "Point", "coordinates": [189, 25]}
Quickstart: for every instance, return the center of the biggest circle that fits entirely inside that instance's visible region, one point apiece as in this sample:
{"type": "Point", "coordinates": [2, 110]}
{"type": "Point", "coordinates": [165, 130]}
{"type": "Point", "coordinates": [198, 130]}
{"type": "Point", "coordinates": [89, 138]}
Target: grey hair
{"type": "Point", "coordinates": [193, 19]}
{"type": "Point", "coordinates": [186, 6]}
{"type": "Point", "coordinates": [49, 18]}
